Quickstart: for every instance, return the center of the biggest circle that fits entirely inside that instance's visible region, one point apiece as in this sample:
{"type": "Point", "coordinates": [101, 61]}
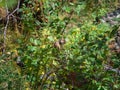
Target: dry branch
{"type": "Point", "coordinates": [7, 22]}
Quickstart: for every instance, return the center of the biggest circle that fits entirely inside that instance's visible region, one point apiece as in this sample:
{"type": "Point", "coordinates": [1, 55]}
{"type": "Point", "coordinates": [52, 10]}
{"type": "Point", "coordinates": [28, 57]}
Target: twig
{"type": "Point", "coordinates": [47, 75]}
{"type": "Point", "coordinates": [5, 29]}
{"type": "Point", "coordinates": [15, 9]}
{"type": "Point", "coordinates": [7, 22]}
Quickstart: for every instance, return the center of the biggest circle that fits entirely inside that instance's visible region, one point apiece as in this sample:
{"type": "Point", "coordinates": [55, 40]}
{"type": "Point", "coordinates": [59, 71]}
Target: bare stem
{"type": "Point", "coordinates": [7, 21]}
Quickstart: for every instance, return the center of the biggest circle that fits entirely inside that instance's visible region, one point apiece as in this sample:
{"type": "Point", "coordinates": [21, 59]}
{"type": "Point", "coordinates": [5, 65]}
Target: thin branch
{"type": "Point", "coordinates": [5, 29]}
{"type": "Point", "coordinates": [18, 5]}
{"type": "Point", "coordinates": [7, 22]}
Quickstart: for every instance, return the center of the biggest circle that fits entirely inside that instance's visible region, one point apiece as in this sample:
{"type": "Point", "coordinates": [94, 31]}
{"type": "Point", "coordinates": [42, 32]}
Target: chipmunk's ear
{"type": "Point", "coordinates": [62, 41]}
{"type": "Point", "coordinates": [57, 45]}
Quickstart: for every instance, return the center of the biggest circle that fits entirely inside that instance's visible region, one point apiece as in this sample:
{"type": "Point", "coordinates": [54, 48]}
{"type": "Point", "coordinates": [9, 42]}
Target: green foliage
{"type": "Point", "coordinates": [77, 63]}
{"type": "Point", "coordinates": [9, 3]}
{"type": "Point", "coordinates": [10, 79]}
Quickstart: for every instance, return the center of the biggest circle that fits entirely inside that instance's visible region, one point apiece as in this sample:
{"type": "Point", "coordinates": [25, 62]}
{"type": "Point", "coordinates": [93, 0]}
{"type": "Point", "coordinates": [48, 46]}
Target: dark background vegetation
{"type": "Point", "coordinates": [57, 45]}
